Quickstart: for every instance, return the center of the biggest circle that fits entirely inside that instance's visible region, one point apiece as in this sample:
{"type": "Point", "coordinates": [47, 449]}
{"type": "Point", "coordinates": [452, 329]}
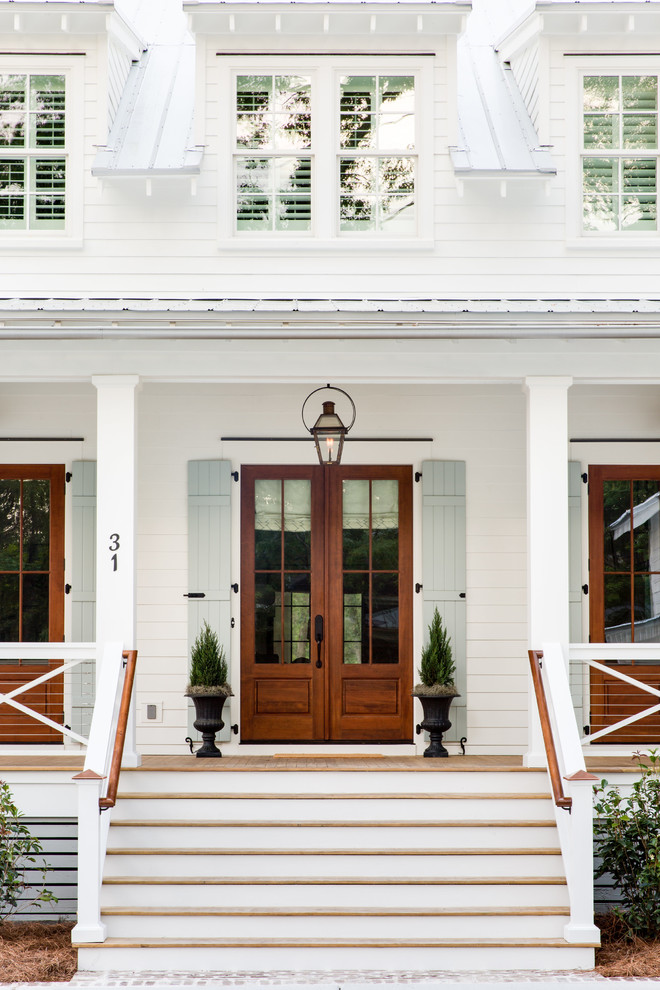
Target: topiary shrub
{"type": "Point", "coordinates": [18, 853]}
{"type": "Point", "coordinates": [208, 665]}
{"type": "Point", "coordinates": [437, 668]}
{"type": "Point", "coordinates": [627, 838]}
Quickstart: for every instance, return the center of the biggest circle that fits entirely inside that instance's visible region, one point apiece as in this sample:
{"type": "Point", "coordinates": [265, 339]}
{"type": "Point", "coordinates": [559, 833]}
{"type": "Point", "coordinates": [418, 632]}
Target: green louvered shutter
{"type": "Point", "coordinates": [443, 568]}
{"type": "Point", "coordinates": [575, 594]}
{"type": "Point", "coordinates": [209, 561]}
{"type": "Point", "coordinates": [83, 589]}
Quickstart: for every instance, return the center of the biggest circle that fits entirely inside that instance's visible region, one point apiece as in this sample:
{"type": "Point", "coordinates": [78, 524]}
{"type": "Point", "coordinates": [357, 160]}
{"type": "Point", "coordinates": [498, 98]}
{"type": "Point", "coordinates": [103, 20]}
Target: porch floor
{"type": "Point", "coordinates": [296, 761]}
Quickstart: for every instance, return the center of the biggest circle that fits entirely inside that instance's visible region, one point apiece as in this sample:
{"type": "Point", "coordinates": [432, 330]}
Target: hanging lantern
{"type": "Point", "coordinates": [328, 430]}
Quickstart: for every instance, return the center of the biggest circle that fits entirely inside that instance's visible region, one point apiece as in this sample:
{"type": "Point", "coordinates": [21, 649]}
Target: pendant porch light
{"type": "Point", "coordinates": [328, 430]}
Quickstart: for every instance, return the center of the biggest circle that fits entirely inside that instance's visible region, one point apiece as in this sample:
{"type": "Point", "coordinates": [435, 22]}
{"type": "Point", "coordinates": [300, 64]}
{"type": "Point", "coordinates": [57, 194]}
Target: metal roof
{"type": "Point", "coordinates": [152, 131]}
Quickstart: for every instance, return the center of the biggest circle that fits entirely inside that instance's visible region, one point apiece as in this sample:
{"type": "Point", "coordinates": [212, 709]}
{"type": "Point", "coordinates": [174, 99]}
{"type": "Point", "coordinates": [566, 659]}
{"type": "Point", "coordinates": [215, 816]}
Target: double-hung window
{"type": "Point", "coordinates": [620, 153]}
{"type": "Point", "coordinates": [377, 161]}
{"type": "Point", "coordinates": [33, 152]}
{"type": "Point", "coordinates": [326, 151]}
{"type": "Point", "coordinates": [273, 161]}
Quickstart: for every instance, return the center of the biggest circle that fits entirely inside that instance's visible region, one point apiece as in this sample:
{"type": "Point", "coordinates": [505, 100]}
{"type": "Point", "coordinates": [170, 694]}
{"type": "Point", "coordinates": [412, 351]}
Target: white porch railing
{"type": "Point", "coordinates": [573, 803]}
{"type": "Point", "coordinates": [104, 747]}
{"type": "Point", "coordinates": [592, 655]}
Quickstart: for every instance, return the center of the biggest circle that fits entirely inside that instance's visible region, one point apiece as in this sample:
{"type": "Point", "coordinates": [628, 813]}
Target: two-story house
{"type": "Point", "coordinates": [450, 220]}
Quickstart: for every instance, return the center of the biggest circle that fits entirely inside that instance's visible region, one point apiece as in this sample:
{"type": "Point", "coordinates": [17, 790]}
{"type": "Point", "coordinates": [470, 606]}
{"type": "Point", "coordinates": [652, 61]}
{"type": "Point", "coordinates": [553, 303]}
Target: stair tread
{"type": "Point", "coordinates": [328, 823]}
{"type": "Point", "coordinates": [120, 942]}
{"type": "Point", "coordinates": [367, 912]}
{"type": "Point", "coordinates": [224, 851]}
{"type": "Point", "coordinates": [297, 880]}
{"type": "Point", "coordinates": [311, 796]}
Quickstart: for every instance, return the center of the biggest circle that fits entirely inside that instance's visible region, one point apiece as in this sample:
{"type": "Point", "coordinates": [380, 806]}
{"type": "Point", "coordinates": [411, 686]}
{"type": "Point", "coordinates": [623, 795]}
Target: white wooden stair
{"type": "Point", "coordinates": [334, 870]}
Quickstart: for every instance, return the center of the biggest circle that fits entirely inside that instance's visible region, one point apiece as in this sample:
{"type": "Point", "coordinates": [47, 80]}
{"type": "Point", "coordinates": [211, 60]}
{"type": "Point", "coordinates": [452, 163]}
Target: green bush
{"type": "Point", "coordinates": [18, 852]}
{"type": "Point", "coordinates": [437, 666]}
{"type": "Point", "coordinates": [627, 838]}
{"type": "Point", "coordinates": [208, 664]}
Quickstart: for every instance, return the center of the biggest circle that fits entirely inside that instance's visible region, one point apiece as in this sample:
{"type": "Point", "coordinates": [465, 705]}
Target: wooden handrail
{"type": "Point", "coordinates": [561, 800]}
{"type": "Point", "coordinates": [130, 656]}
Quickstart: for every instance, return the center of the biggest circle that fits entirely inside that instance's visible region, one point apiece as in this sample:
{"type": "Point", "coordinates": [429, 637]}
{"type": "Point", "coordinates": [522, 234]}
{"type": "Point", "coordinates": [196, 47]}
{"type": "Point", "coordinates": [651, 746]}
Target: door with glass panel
{"type": "Point", "coordinates": [31, 592]}
{"type": "Point", "coordinates": [326, 602]}
{"type": "Point", "coordinates": [624, 592]}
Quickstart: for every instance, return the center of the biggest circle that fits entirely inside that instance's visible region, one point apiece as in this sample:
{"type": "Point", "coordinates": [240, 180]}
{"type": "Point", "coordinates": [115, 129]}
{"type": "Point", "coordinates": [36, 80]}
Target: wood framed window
{"type": "Point", "coordinates": [620, 149]}
{"type": "Point", "coordinates": [33, 151]}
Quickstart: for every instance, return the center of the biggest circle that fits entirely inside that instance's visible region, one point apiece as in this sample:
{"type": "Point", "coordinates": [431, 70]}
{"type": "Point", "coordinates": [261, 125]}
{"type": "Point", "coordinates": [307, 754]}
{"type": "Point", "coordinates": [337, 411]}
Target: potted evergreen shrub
{"type": "Point", "coordinates": [437, 687]}
{"type": "Point", "coordinates": [208, 688]}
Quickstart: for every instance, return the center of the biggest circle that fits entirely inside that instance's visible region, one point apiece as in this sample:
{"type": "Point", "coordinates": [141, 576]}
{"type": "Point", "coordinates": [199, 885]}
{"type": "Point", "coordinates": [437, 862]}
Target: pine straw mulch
{"type": "Point", "coordinates": [623, 956]}
{"type": "Point", "coordinates": [36, 952]}
{"type": "Point", "coordinates": [40, 952]}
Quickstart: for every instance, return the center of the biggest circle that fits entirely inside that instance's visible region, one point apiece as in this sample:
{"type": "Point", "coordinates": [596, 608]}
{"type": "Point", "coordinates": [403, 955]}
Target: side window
{"type": "Point", "coordinates": [273, 157]}
{"type": "Point", "coordinates": [620, 153]}
{"type": "Point", "coordinates": [33, 152]}
{"type": "Point", "coordinates": [377, 155]}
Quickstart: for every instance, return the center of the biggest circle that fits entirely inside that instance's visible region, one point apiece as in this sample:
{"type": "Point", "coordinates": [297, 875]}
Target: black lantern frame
{"type": "Point", "coordinates": [329, 431]}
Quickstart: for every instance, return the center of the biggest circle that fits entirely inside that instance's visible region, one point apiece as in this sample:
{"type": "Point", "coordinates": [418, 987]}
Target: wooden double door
{"type": "Point", "coordinates": [326, 604]}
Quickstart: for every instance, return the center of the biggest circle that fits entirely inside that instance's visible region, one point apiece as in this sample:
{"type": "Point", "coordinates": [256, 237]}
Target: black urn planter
{"type": "Point", "coordinates": [208, 721]}
{"type": "Point", "coordinates": [436, 720]}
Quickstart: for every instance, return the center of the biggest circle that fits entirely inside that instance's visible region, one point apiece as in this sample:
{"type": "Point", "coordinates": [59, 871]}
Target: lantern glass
{"type": "Point", "coordinates": [329, 433]}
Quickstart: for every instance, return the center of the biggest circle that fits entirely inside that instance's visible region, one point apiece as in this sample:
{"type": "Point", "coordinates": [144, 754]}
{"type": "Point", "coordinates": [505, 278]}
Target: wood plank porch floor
{"type": "Point", "coordinates": [285, 761]}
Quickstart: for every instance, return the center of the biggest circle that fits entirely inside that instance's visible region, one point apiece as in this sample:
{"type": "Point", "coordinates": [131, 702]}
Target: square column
{"type": "Point", "coordinates": [547, 527]}
{"type": "Point", "coordinates": [116, 520]}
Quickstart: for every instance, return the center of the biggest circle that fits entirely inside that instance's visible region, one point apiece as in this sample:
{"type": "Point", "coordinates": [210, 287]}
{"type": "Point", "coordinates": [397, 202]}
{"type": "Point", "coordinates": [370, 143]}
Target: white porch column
{"type": "Point", "coordinates": [547, 527]}
{"type": "Point", "coordinates": [115, 520]}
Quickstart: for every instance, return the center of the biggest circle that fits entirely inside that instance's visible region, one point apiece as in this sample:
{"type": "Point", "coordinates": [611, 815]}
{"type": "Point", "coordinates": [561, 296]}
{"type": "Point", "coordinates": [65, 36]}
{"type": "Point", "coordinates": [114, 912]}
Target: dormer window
{"type": "Point", "coordinates": [620, 153]}
{"type": "Point", "coordinates": [273, 163]}
{"type": "Point", "coordinates": [377, 162]}
{"type": "Point", "coordinates": [32, 152]}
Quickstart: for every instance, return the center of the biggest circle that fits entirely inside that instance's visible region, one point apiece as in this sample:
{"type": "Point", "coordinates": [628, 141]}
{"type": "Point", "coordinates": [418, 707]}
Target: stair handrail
{"type": "Point", "coordinates": [106, 742]}
{"type": "Point", "coordinates": [561, 800]}
{"type": "Point", "coordinates": [130, 658]}
{"type": "Point", "coordinates": [565, 759]}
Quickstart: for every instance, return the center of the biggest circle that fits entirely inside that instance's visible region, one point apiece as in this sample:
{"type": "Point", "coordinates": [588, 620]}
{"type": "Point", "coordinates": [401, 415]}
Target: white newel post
{"type": "Point", "coordinates": [547, 528]}
{"type": "Point", "coordinates": [89, 927]}
{"type": "Point", "coordinates": [115, 520]}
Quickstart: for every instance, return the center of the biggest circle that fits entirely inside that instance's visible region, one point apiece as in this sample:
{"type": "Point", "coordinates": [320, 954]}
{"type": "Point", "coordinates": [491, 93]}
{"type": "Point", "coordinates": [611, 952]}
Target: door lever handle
{"type": "Point", "coordinates": [318, 636]}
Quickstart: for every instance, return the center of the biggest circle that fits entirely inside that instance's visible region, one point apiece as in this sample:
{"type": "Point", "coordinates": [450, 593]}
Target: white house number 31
{"type": "Point", "coordinates": [113, 548]}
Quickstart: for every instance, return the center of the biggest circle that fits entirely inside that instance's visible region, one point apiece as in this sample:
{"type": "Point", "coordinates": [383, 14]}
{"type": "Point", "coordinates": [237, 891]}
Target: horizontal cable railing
{"type": "Point", "coordinates": [622, 691]}
{"type": "Point", "coordinates": [39, 697]}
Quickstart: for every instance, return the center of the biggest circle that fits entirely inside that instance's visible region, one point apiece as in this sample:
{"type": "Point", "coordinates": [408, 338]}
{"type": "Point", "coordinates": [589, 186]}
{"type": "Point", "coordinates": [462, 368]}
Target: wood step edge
{"type": "Point", "coordinates": [332, 943]}
{"type": "Point", "coordinates": [241, 881]}
{"type": "Point", "coordinates": [324, 912]}
{"type": "Point", "coordinates": [374, 823]}
{"type": "Point", "coordinates": [151, 851]}
{"type": "Point", "coordinates": [307, 796]}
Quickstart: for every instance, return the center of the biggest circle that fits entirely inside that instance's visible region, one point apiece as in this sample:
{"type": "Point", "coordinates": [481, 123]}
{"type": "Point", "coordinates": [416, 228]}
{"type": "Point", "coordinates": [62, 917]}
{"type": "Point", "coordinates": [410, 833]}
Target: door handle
{"type": "Point", "coordinates": [318, 636]}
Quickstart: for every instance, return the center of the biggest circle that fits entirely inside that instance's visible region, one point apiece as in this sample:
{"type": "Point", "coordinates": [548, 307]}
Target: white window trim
{"type": "Point", "coordinates": [576, 237]}
{"type": "Point", "coordinates": [324, 236]}
{"type": "Point", "coordinates": [70, 236]}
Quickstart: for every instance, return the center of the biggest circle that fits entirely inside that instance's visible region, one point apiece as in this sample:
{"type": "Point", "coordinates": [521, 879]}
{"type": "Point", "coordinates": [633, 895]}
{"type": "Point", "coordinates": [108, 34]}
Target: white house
{"type": "Point", "coordinates": [206, 218]}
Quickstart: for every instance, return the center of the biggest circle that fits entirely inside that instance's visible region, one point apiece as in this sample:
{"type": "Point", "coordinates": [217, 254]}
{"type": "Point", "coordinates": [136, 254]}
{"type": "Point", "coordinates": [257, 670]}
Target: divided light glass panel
{"type": "Point", "coordinates": [620, 164]}
{"type": "Point", "coordinates": [370, 540]}
{"type": "Point", "coordinates": [282, 580]}
{"type": "Point", "coordinates": [631, 558]}
{"type": "Point", "coordinates": [24, 560]}
{"type": "Point", "coordinates": [32, 131]}
{"type": "Point", "coordinates": [274, 187]}
{"type": "Point", "coordinates": [376, 177]}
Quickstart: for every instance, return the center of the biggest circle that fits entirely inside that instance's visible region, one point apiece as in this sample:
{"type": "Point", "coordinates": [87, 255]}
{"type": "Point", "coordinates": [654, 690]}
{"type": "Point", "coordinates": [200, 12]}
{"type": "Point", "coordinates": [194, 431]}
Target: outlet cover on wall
{"type": "Point", "coordinates": [151, 712]}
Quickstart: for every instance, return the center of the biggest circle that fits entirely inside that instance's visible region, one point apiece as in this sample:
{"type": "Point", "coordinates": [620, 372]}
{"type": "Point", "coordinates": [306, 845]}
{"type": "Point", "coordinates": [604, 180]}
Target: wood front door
{"type": "Point", "coordinates": [326, 604]}
{"type": "Point", "coordinates": [624, 591]}
{"type": "Point", "coordinates": [31, 592]}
